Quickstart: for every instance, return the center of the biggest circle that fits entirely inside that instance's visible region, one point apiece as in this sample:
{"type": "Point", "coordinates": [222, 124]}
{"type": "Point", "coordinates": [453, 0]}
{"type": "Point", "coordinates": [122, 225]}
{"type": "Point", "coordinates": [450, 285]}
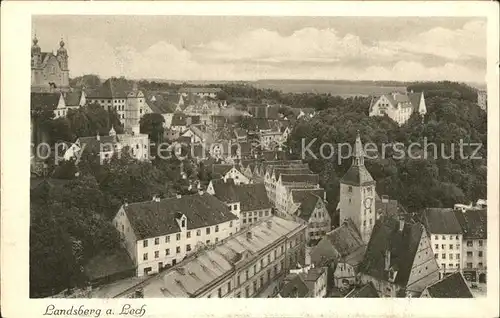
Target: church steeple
{"type": "Point", "coordinates": [359, 154]}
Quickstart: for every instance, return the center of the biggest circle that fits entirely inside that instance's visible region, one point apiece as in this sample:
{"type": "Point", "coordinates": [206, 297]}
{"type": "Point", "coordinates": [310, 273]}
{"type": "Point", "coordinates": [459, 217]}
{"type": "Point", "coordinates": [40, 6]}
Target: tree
{"type": "Point", "coordinates": [153, 125]}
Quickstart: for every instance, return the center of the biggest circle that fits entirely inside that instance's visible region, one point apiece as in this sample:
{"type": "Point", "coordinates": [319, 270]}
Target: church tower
{"type": "Point", "coordinates": [62, 58]}
{"type": "Point", "coordinates": [357, 194]}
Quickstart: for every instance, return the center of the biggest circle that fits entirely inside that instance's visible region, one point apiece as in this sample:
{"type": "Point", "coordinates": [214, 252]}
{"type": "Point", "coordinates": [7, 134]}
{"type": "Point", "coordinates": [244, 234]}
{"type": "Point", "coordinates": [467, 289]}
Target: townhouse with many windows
{"type": "Point", "coordinates": [160, 233]}
{"type": "Point", "coordinates": [251, 263]}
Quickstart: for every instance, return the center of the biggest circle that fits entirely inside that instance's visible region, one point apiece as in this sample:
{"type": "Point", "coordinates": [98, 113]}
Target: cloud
{"type": "Point", "coordinates": [464, 43]}
{"type": "Point", "coordinates": [307, 53]}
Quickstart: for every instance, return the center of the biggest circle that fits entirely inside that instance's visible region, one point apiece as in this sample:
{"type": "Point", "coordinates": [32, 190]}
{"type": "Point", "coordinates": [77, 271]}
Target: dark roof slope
{"type": "Point", "coordinates": [307, 206]}
{"type": "Point", "coordinates": [441, 221]}
{"type": "Point", "coordinates": [45, 100]}
{"type": "Point", "coordinates": [365, 291]}
{"type": "Point", "coordinates": [474, 223]}
{"type": "Point", "coordinates": [451, 286]}
{"type": "Point", "coordinates": [300, 178]}
{"type": "Point", "coordinates": [299, 195]}
{"type": "Point", "coordinates": [152, 219]}
{"type": "Point", "coordinates": [222, 169]}
{"type": "Point", "coordinates": [72, 98]}
{"type": "Point", "coordinates": [294, 287]}
{"type": "Point", "coordinates": [356, 176]}
{"type": "Point", "coordinates": [92, 144]}
{"type": "Point", "coordinates": [252, 197]}
{"type": "Point", "coordinates": [346, 239]}
{"type": "Point", "coordinates": [402, 245]}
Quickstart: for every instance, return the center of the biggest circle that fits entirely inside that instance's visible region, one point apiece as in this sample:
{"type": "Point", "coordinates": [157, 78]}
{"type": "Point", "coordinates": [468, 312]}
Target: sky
{"type": "Point", "coordinates": [252, 48]}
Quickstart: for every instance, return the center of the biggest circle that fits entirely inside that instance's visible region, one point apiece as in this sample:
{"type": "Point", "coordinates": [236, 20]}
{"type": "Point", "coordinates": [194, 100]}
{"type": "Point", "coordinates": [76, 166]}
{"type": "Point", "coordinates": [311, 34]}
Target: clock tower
{"type": "Point", "coordinates": [357, 194]}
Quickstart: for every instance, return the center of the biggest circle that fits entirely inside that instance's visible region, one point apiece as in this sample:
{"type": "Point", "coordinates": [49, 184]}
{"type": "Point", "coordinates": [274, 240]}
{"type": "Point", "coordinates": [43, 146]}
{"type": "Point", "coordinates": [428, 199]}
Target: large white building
{"type": "Point", "coordinates": [446, 239]}
{"type": "Point", "coordinates": [398, 106]}
{"type": "Point", "coordinates": [160, 233]}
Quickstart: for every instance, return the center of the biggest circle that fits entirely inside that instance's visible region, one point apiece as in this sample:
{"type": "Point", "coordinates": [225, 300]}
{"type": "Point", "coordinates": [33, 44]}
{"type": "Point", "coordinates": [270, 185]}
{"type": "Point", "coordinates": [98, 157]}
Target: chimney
{"type": "Point", "coordinates": [178, 196]}
{"type": "Point", "coordinates": [401, 224]}
{"type": "Point", "coordinates": [249, 235]}
{"type": "Point", "coordinates": [387, 260]}
{"type": "Point", "coordinates": [385, 199]}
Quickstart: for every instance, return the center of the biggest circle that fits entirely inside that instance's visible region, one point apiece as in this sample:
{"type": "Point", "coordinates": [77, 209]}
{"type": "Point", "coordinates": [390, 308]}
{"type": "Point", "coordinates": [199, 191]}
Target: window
{"type": "Point", "coordinates": [436, 237]}
{"type": "Point", "coordinates": [228, 287]}
{"type": "Point", "coordinates": [480, 265]}
{"type": "Point", "coordinates": [254, 286]}
{"type": "Point", "coordinates": [269, 258]}
{"type": "Point", "coordinates": [443, 237]}
{"type": "Point", "coordinates": [436, 246]}
{"type": "Point", "coordinates": [216, 239]}
{"type": "Point", "coordinates": [247, 291]}
{"type": "Point", "coordinates": [188, 234]}
{"type": "Point", "coordinates": [198, 232]}
{"type": "Point", "coordinates": [216, 228]}
{"type": "Point", "coordinates": [178, 249]}
{"type": "Point", "coordinates": [450, 265]}
{"type": "Point", "coordinates": [157, 241]}
{"type": "Point", "coordinates": [458, 246]}
{"type": "Point", "coordinates": [238, 295]}
{"type": "Point", "coordinates": [219, 292]}
{"type": "Point", "coordinates": [235, 206]}
{"type": "Point", "coordinates": [231, 224]}
{"type": "Point", "coordinates": [443, 256]}
{"type": "Point", "coordinates": [188, 247]}
{"type": "Point", "coordinates": [451, 237]}
{"type": "Point", "coordinates": [208, 230]}
{"type": "Point", "coordinates": [457, 237]}
{"type": "Point", "coordinates": [451, 256]}
{"type": "Point", "coordinates": [469, 254]}
{"type": "Point", "coordinates": [436, 256]}
{"type": "Point", "coordinates": [469, 243]}
{"type": "Point", "coordinates": [457, 256]}
{"type": "Point", "coordinates": [267, 213]}
{"type": "Point", "coordinates": [167, 252]}
{"type": "Point", "coordinates": [480, 242]}
{"type": "Point", "coordinates": [458, 266]}
{"type": "Point", "coordinates": [349, 189]}
{"type": "Point", "coordinates": [157, 254]}
{"type": "Point", "coordinates": [178, 236]}
{"type": "Point", "coordinates": [246, 274]}
{"type": "Point", "coordinates": [469, 265]}
{"type": "Point", "coordinates": [208, 242]}
{"type": "Point", "coordinates": [480, 253]}
{"type": "Point", "coordinates": [145, 256]}
{"type": "Point", "coordinates": [145, 243]}
{"type": "Point", "coordinates": [261, 263]}
{"type": "Point", "coordinates": [261, 281]}
{"type": "Point", "coordinates": [282, 248]}
{"type": "Point", "coordinates": [238, 280]}
{"type": "Point", "coordinates": [245, 221]}
{"type": "Point", "coordinates": [167, 239]}
{"type": "Point", "coordinates": [451, 246]}
{"type": "Point", "coordinates": [443, 246]}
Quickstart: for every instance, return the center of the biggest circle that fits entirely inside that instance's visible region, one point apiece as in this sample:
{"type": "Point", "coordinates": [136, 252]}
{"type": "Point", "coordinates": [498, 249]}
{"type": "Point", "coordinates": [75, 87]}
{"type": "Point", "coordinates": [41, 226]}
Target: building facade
{"type": "Point", "coordinates": [49, 71]}
{"type": "Point", "coordinates": [482, 99]}
{"type": "Point", "coordinates": [398, 106]}
{"type": "Point", "coordinates": [249, 264]}
{"type": "Point", "coordinates": [160, 233]}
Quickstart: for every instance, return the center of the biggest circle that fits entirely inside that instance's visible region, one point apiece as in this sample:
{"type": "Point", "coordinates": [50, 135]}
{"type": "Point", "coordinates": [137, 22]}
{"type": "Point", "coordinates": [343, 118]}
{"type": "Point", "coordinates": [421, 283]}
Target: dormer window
{"type": "Point", "coordinates": [183, 223]}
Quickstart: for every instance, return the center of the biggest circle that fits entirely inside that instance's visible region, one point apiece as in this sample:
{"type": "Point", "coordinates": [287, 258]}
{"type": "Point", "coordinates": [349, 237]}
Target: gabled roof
{"type": "Point", "coordinates": [365, 291]}
{"type": "Point", "coordinates": [388, 207]}
{"type": "Point", "coordinates": [451, 286]}
{"type": "Point", "coordinates": [403, 246]}
{"type": "Point", "coordinates": [441, 221]}
{"type": "Point", "coordinates": [294, 287]}
{"type": "Point", "coordinates": [179, 119]}
{"type": "Point", "coordinates": [406, 99]}
{"type": "Point", "coordinates": [299, 195]}
{"type": "Point", "coordinates": [222, 169]}
{"type": "Point", "coordinates": [307, 206]}
{"type": "Point", "coordinates": [346, 239]}
{"type": "Point", "coordinates": [45, 100]}
{"type": "Point", "coordinates": [72, 98]}
{"type": "Point", "coordinates": [291, 170]}
{"type": "Point", "coordinates": [474, 223]}
{"type": "Point", "coordinates": [114, 88]}
{"type": "Point", "coordinates": [152, 219]}
{"type": "Point", "coordinates": [163, 103]}
{"type": "Point", "coordinates": [251, 196]}
{"type": "Point", "coordinates": [300, 178]}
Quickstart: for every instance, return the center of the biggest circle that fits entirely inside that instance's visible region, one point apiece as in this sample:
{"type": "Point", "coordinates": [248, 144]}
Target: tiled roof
{"type": "Point", "coordinates": [365, 291]}
{"type": "Point", "coordinates": [356, 176]}
{"type": "Point", "coordinates": [222, 169]}
{"type": "Point", "coordinates": [451, 286]}
{"type": "Point", "coordinates": [291, 170]}
{"type": "Point", "coordinates": [441, 221]}
{"type": "Point", "coordinates": [153, 219]}
{"type": "Point", "coordinates": [473, 223]}
{"type": "Point", "coordinates": [300, 178]}
{"type": "Point", "coordinates": [72, 98]}
{"type": "Point", "coordinates": [415, 100]}
{"type": "Point", "coordinates": [162, 103]}
{"type": "Point", "coordinates": [388, 207]}
{"type": "Point", "coordinates": [407, 99]}
{"type": "Point", "coordinates": [346, 239]}
{"type": "Point", "coordinates": [113, 88]}
{"type": "Point", "coordinates": [402, 245]}
{"type": "Point", "coordinates": [294, 287]}
{"type": "Point", "coordinates": [209, 266]}
{"type": "Point", "coordinates": [251, 196]}
{"type": "Point", "coordinates": [45, 100]}
{"type": "Point", "coordinates": [307, 206]}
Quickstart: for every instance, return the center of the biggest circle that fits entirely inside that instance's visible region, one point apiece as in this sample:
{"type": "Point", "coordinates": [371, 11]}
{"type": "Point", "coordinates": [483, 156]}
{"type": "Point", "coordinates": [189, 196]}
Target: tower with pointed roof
{"type": "Point", "coordinates": [357, 194]}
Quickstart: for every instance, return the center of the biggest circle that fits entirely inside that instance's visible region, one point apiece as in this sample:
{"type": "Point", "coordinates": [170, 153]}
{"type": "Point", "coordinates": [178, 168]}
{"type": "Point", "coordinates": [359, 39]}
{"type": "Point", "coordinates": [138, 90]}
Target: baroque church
{"type": "Point", "coordinates": [49, 71]}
